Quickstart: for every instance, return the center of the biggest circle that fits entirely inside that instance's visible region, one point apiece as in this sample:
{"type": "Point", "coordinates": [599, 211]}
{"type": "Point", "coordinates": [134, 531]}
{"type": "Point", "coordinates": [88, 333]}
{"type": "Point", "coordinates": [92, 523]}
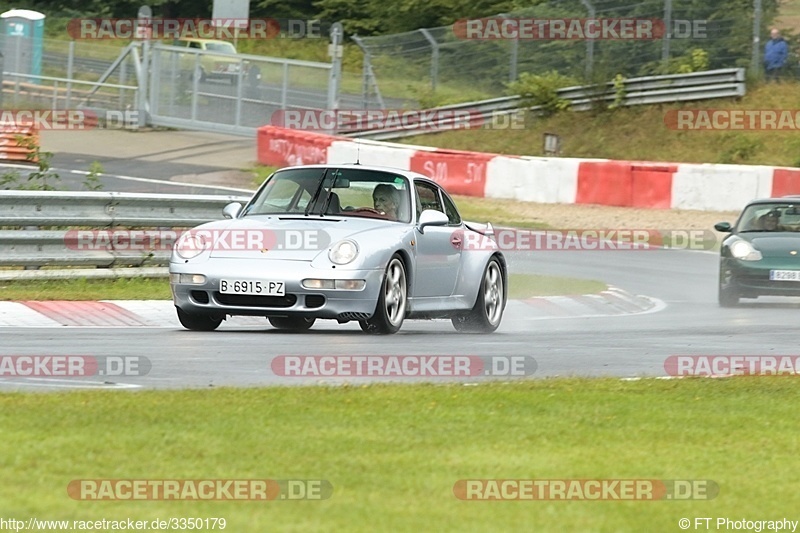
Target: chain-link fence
{"type": "Point", "coordinates": [443, 65]}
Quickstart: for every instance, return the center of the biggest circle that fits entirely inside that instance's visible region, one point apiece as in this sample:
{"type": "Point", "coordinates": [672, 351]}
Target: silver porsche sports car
{"type": "Point", "coordinates": [351, 242]}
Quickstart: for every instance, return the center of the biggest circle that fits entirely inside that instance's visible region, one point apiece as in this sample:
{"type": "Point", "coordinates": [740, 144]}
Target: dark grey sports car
{"type": "Point", "coordinates": [761, 256]}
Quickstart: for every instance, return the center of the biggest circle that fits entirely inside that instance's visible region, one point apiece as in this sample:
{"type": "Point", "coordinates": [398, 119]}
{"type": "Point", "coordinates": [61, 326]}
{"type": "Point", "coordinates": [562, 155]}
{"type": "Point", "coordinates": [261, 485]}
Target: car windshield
{"type": "Point", "coordinates": [221, 47]}
{"type": "Point", "coordinates": [333, 192]}
{"type": "Point", "coordinates": [770, 217]}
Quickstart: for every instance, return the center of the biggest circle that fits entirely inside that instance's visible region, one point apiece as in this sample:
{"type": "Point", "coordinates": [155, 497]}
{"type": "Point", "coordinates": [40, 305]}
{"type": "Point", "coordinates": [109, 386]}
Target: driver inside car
{"type": "Point", "coordinates": [385, 198]}
{"type": "Point", "coordinates": [771, 222]}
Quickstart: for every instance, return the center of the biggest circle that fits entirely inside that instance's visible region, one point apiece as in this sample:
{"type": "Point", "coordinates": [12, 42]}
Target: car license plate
{"type": "Point", "coordinates": [784, 275]}
{"type": "Point", "coordinates": [252, 287]}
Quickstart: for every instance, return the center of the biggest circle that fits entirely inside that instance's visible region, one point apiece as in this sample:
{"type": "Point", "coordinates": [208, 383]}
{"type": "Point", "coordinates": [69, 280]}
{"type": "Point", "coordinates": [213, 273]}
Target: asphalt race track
{"type": "Point", "coordinates": [688, 322]}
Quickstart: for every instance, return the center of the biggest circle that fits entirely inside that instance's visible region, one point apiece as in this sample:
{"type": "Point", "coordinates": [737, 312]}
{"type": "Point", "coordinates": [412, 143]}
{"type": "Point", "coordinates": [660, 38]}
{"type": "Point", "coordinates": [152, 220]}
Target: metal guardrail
{"type": "Point", "coordinates": [33, 247]}
{"type": "Point", "coordinates": [723, 83]}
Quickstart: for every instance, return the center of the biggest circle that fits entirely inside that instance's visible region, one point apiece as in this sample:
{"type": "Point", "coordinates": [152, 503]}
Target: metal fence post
{"type": "Point", "coordinates": [434, 57]}
{"type": "Point", "coordinates": [285, 86]}
{"type": "Point", "coordinates": [337, 31]}
{"type": "Point", "coordinates": [755, 62]}
{"type": "Point", "coordinates": [70, 67]}
{"type": "Point", "coordinates": [365, 68]}
{"type": "Point", "coordinates": [589, 42]}
{"type": "Point", "coordinates": [512, 67]}
{"type": "Point", "coordinates": [2, 65]}
{"type": "Point", "coordinates": [668, 34]}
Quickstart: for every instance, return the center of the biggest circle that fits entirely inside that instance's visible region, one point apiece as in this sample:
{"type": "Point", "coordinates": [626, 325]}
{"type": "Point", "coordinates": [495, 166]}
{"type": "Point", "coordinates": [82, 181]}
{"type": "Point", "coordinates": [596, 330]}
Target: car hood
{"type": "Point", "coordinates": [778, 244]}
{"type": "Point", "coordinates": [290, 237]}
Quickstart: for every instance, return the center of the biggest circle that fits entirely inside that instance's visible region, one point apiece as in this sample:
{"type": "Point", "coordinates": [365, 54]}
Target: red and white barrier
{"type": "Point", "coordinates": [652, 185]}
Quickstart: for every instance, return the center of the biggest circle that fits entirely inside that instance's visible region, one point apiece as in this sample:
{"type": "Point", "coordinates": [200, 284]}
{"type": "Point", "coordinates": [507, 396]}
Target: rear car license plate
{"type": "Point", "coordinates": [252, 287]}
{"type": "Point", "coordinates": [784, 275]}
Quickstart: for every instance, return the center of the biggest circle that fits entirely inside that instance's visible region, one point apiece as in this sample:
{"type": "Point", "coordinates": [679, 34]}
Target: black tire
{"type": "Point", "coordinates": [291, 323]}
{"type": "Point", "coordinates": [486, 315]}
{"type": "Point", "coordinates": [392, 301]}
{"type": "Point", "coordinates": [199, 321]}
{"type": "Point", "coordinates": [728, 295]}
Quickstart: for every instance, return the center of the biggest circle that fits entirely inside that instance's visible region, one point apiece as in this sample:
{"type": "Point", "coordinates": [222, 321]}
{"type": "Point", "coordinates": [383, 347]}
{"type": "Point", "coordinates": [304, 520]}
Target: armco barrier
{"type": "Point", "coordinates": [642, 184]}
{"type": "Point", "coordinates": [99, 210]}
{"type": "Point", "coordinates": [17, 143]}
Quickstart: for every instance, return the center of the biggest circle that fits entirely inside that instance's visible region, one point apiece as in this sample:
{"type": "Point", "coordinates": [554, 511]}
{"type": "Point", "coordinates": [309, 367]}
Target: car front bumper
{"type": "Point", "coordinates": [298, 301]}
{"type": "Point", "coordinates": [752, 277]}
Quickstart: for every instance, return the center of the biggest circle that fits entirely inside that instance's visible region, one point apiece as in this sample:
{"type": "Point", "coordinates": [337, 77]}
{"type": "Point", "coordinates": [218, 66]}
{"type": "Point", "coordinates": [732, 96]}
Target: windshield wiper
{"type": "Point", "coordinates": [316, 193]}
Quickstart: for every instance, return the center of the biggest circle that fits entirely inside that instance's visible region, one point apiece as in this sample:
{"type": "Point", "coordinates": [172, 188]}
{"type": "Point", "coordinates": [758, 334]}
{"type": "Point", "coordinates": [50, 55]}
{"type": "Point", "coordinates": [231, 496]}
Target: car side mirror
{"type": "Point", "coordinates": [431, 217]}
{"type": "Point", "coordinates": [232, 210]}
{"type": "Point", "coordinates": [724, 227]}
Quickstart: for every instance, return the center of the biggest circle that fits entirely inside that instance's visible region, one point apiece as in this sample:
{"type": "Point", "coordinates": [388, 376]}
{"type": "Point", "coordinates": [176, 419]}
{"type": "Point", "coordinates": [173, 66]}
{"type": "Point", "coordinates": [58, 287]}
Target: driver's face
{"type": "Point", "coordinates": [771, 223]}
{"type": "Point", "coordinates": [384, 202]}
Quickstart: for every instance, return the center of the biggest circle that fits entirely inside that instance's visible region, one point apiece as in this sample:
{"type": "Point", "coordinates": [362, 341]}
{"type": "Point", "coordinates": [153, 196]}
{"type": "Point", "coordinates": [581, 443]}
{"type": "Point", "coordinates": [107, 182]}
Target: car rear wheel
{"type": "Point", "coordinates": [487, 313]}
{"type": "Point", "coordinates": [291, 323]}
{"type": "Point", "coordinates": [392, 302]}
{"type": "Point", "coordinates": [199, 321]}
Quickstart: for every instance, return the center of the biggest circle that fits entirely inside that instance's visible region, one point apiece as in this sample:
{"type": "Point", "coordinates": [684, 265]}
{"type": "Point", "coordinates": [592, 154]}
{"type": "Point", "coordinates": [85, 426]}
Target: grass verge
{"type": "Point", "coordinates": [520, 286]}
{"type": "Point", "coordinates": [394, 453]}
{"type": "Point", "coordinates": [85, 289]}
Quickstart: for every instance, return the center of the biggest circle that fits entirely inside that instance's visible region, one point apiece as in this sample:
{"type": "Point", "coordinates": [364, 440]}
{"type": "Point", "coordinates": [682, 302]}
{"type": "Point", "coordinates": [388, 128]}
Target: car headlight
{"type": "Point", "coordinates": [343, 252]}
{"type": "Point", "coordinates": [744, 250]}
{"type": "Point", "coordinates": [190, 245]}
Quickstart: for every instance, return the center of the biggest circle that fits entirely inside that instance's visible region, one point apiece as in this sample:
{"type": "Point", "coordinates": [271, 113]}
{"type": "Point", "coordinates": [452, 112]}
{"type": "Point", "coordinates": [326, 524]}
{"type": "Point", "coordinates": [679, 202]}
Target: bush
{"type": "Point", "coordinates": [542, 90]}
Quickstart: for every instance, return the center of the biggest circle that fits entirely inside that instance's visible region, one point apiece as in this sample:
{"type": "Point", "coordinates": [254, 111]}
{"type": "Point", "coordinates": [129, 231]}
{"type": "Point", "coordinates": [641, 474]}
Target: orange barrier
{"type": "Point", "coordinates": [284, 147]}
{"type": "Point", "coordinates": [458, 172]}
{"type": "Point", "coordinates": [625, 184]}
{"type": "Point", "coordinates": [18, 143]}
{"type": "Point", "coordinates": [785, 181]}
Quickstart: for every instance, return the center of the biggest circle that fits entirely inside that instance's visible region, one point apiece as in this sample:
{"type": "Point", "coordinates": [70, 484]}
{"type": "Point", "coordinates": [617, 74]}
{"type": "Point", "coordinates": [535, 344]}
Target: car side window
{"type": "Point", "coordinates": [193, 44]}
{"type": "Point", "coordinates": [427, 197]}
{"type": "Point", "coordinates": [450, 210]}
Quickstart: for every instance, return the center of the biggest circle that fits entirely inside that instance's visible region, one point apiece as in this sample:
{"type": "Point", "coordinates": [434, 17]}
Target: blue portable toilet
{"type": "Point", "coordinates": [21, 42]}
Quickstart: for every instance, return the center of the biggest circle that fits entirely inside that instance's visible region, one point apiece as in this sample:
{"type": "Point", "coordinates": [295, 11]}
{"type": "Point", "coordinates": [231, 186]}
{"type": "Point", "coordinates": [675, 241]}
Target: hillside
{"type": "Point", "coordinates": [639, 133]}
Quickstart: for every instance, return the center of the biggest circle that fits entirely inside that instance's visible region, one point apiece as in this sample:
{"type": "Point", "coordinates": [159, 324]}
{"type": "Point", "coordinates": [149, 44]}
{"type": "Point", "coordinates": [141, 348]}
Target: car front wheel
{"type": "Point", "coordinates": [728, 295]}
{"type": "Point", "coordinates": [198, 321]}
{"type": "Point", "coordinates": [392, 302]}
{"type": "Point", "coordinates": [487, 313]}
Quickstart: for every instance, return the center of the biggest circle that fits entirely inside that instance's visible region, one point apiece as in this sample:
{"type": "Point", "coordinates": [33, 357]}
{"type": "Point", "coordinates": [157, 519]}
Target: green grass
{"type": "Point", "coordinates": [83, 289]}
{"type": "Point", "coordinates": [393, 453]}
{"type": "Point", "coordinates": [520, 286]}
